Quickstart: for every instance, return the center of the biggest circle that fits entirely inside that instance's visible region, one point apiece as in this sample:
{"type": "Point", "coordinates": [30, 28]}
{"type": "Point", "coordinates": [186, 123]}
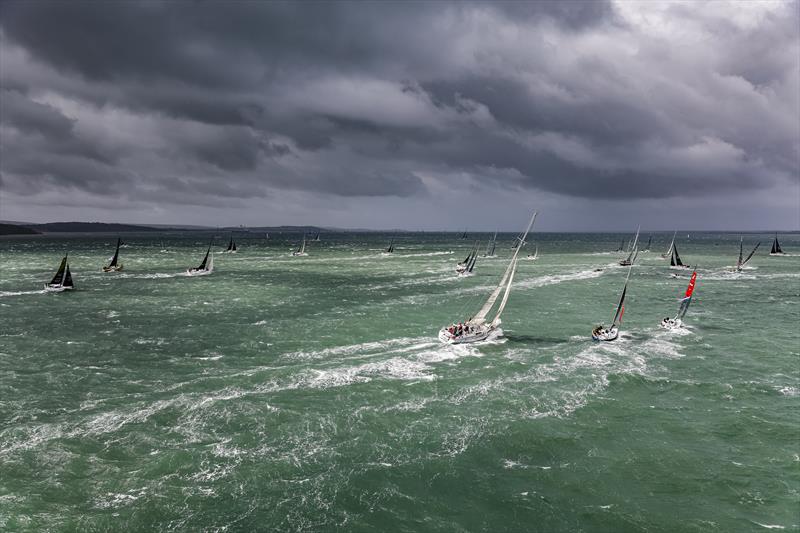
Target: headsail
{"type": "Point", "coordinates": [491, 246]}
{"type": "Point", "coordinates": [68, 279]}
{"type": "Point", "coordinates": [390, 248]}
{"type": "Point", "coordinates": [205, 259]}
{"type": "Point", "coordinates": [633, 251]}
{"type": "Point", "coordinates": [671, 244]}
{"type": "Point", "coordinates": [231, 246]}
{"type": "Point", "coordinates": [776, 246]}
{"type": "Point", "coordinates": [59, 277]}
{"type": "Point", "coordinates": [750, 255]}
{"type": "Point", "coordinates": [496, 320]}
{"type": "Point", "coordinates": [471, 264]}
{"type": "Point", "coordinates": [675, 259]}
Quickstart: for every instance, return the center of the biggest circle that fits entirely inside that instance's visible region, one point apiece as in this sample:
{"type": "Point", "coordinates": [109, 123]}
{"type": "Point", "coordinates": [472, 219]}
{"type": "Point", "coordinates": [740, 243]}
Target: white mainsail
{"type": "Point", "coordinates": [480, 316]}
{"type": "Point", "coordinates": [502, 306]}
{"type": "Point", "coordinates": [671, 244]}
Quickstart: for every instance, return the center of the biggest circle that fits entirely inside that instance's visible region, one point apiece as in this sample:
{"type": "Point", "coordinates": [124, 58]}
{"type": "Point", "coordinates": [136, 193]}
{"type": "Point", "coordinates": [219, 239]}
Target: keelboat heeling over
{"type": "Point", "coordinates": [115, 265]}
{"type": "Point", "coordinates": [478, 328]}
{"type": "Point", "coordinates": [602, 333]}
{"type": "Point", "coordinates": [206, 267]}
{"type": "Point", "coordinates": [677, 322]}
{"type": "Point", "coordinates": [62, 281]}
{"type": "Point", "coordinates": [740, 263]}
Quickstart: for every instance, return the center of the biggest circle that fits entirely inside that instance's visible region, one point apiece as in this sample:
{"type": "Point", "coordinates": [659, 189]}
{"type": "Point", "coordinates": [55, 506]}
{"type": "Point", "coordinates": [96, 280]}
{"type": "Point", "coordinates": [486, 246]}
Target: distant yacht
{"type": "Point", "coordinates": [491, 246]}
{"type": "Point", "coordinates": [649, 240]}
{"type": "Point", "coordinates": [62, 281]}
{"type": "Point", "coordinates": [390, 248]}
{"type": "Point", "coordinates": [316, 238]}
{"type": "Point", "coordinates": [677, 322]}
{"type": "Point", "coordinates": [740, 263]}
{"type": "Point", "coordinates": [205, 268]}
{"type": "Point", "coordinates": [633, 252]}
{"type": "Point", "coordinates": [776, 247]}
{"type": "Point", "coordinates": [115, 265]}
{"type": "Point", "coordinates": [231, 249]}
{"type": "Point", "coordinates": [602, 333]}
{"type": "Point", "coordinates": [476, 328]}
{"type": "Point", "coordinates": [470, 265]}
{"type": "Point", "coordinates": [535, 255]}
{"type": "Point", "coordinates": [668, 253]}
{"type": "Point", "coordinates": [464, 265]}
{"type": "Point", "coordinates": [301, 250]}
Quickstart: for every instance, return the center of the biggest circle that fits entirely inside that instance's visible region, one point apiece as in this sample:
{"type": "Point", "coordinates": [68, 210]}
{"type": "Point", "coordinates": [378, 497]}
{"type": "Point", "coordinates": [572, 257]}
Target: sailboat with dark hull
{"type": "Point", "coordinates": [205, 268]}
{"type": "Point", "coordinates": [478, 328]}
{"type": "Point", "coordinates": [62, 281]}
{"type": "Point", "coordinates": [470, 265]}
{"type": "Point", "coordinates": [602, 333]}
{"type": "Point", "coordinates": [740, 263]}
{"type": "Point", "coordinates": [115, 265]}
{"type": "Point", "coordinates": [231, 249]}
{"type": "Point", "coordinates": [776, 247]}
{"type": "Point", "coordinates": [677, 322]}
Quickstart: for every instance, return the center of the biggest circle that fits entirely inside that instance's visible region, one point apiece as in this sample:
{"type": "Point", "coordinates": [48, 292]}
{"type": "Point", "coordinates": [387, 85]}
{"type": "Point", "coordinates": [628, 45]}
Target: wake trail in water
{"type": "Point", "coordinates": [4, 294]}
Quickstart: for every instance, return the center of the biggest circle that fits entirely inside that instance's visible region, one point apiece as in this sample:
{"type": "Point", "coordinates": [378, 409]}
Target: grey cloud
{"type": "Point", "coordinates": [209, 101]}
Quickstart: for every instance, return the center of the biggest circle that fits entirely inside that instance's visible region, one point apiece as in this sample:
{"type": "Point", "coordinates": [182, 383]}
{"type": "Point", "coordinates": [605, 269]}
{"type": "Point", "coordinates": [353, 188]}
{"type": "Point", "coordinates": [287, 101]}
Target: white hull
{"type": "Point", "coordinates": [479, 333]}
{"type": "Point", "coordinates": [299, 254]}
{"type": "Point", "coordinates": [57, 288]}
{"type": "Point", "coordinates": [117, 268]}
{"type": "Point", "coordinates": [603, 334]}
{"type": "Point", "coordinates": [671, 323]}
{"type": "Point", "coordinates": [778, 254]}
{"type": "Point", "coordinates": [461, 267]}
{"type": "Point", "coordinates": [192, 272]}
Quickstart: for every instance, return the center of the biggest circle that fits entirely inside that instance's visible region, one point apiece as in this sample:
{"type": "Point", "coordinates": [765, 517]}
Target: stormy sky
{"type": "Point", "coordinates": [416, 115]}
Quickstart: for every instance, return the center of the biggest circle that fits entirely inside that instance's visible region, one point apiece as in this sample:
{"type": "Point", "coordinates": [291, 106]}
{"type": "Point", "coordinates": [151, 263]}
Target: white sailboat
{"type": "Point", "coordinates": [677, 322]}
{"type": "Point", "coordinates": [205, 268]}
{"type": "Point", "coordinates": [479, 328]}
{"type": "Point", "coordinates": [633, 252]}
{"type": "Point", "coordinates": [668, 253]}
{"type": "Point", "coordinates": [602, 333]}
{"type": "Point", "coordinates": [115, 265]}
{"type": "Point", "coordinates": [740, 263]}
{"type": "Point", "coordinates": [535, 255]}
{"type": "Point", "coordinates": [62, 281]}
{"type": "Point", "coordinates": [490, 247]}
{"type": "Point", "coordinates": [301, 250]}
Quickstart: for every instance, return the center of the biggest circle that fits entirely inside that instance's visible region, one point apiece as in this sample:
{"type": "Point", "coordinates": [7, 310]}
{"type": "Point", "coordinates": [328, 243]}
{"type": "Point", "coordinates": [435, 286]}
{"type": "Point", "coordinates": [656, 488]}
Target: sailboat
{"type": "Point", "coordinates": [535, 255]}
{"type": "Point", "coordinates": [621, 246]}
{"type": "Point", "coordinates": [206, 267]}
{"type": "Point", "coordinates": [62, 281]}
{"type": "Point", "coordinates": [316, 237]}
{"type": "Point", "coordinates": [628, 261]}
{"type": "Point", "coordinates": [231, 249]}
{"type": "Point", "coordinates": [390, 248]}
{"type": "Point", "coordinates": [740, 263]}
{"type": "Point", "coordinates": [464, 235]}
{"type": "Point", "coordinates": [115, 265]}
{"type": "Point", "coordinates": [776, 247]}
{"type": "Point", "coordinates": [464, 265]}
{"type": "Point", "coordinates": [301, 250]}
{"type": "Point", "coordinates": [602, 333]}
{"type": "Point", "coordinates": [668, 253]}
{"type": "Point", "coordinates": [649, 240]}
{"type": "Point", "coordinates": [470, 263]}
{"type": "Point", "coordinates": [675, 259]}
{"type": "Point", "coordinates": [491, 246]}
{"type": "Point", "coordinates": [677, 322]}
{"type": "Point", "coordinates": [477, 328]}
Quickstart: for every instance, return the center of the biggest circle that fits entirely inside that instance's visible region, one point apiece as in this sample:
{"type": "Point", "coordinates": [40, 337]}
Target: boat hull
{"type": "Point", "coordinates": [481, 333]}
{"type": "Point", "coordinates": [117, 268]}
{"type": "Point", "coordinates": [605, 335]}
{"type": "Point", "coordinates": [299, 254]}
{"type": "Point", "coordinates": [57, 288]}
{"type": "Point", "coordinates": [671, 323]}
{"type": "Point", "coordinates": [193, 272]}
{"type": "Point", "coordinates": [777, 254]}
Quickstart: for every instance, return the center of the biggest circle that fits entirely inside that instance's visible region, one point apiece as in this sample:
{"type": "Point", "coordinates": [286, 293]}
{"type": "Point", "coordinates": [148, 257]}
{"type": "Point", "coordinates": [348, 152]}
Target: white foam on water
{"type": "Point", "coordinates": [554, 279]}
{"type": "Point", "coordinates": [394, 368]}
{"type": "Point", "coordinates": [789, 391]}
{"type": "Point", "coordinates": [770, 526]}
{"type": "Point", "coordinates": [4, 294]}
{"type": "Point", "coordinates": [364, 347]}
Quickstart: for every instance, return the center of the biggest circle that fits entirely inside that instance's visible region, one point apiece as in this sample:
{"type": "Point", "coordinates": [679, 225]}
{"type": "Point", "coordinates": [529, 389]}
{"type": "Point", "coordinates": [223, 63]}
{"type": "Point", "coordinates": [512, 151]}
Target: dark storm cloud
{"type": "Point", "coordinates": [191, 100]}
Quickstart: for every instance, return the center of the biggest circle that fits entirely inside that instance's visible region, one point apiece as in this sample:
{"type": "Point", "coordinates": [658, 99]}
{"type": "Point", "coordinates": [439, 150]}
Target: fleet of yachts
{"type": "Point", "coordinates": [484, 323]}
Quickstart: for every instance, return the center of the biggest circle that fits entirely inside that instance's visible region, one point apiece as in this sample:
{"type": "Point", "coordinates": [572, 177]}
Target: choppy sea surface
{"type": "Point", "coordinates": [310, 393]}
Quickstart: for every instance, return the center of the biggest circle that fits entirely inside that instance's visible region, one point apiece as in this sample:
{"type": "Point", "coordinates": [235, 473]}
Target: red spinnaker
{"type": "Point", "coordinates": [690, 288]}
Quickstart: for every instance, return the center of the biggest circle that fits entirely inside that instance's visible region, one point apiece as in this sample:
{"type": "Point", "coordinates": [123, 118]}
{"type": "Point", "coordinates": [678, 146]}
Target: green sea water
{"type": "Point", "coordinates": [311, 394]}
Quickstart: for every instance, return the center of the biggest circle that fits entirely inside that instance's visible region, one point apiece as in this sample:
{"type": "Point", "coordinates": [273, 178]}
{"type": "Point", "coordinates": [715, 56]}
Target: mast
{"type": "Point", "coordinates": [59, 277]}
{"type": "Point", "coordinates": [116, 254]}
{"type": "Point", "coordinates": [633, 247]}
{"type": "Point", "coordinates": [621, 305]}
{"type": "Point", "coordinates": [649, 240]}
{"type": "Point", "coordinates": [480, 316]}
{"type": "Point", "coordinates": [739, 261]}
